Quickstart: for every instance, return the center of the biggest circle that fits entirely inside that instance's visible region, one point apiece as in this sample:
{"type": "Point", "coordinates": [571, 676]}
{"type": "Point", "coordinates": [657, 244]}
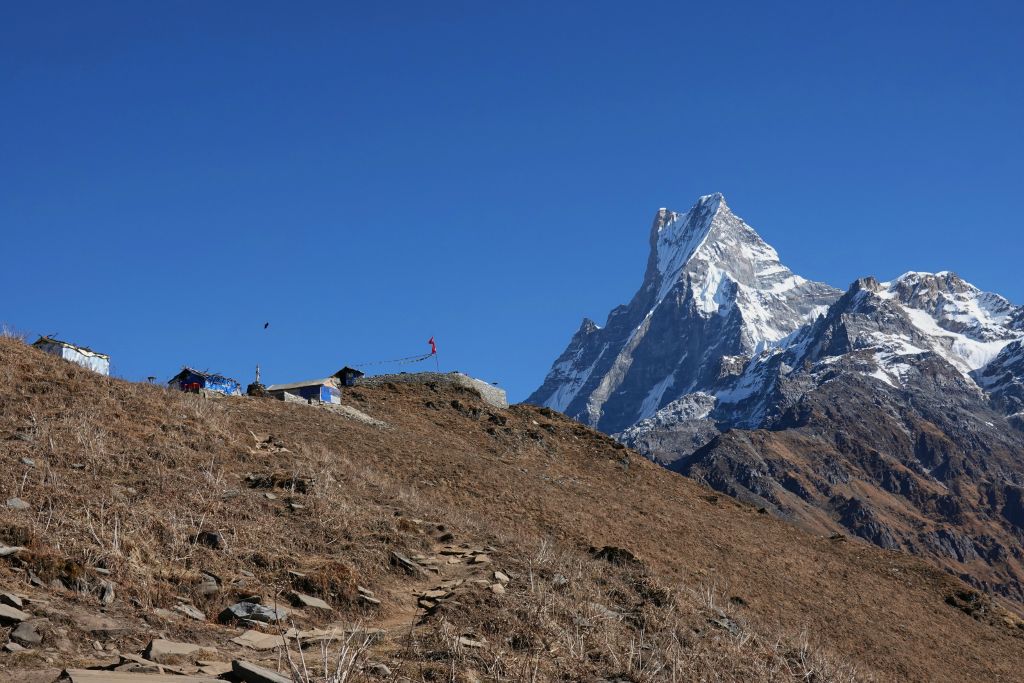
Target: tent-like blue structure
{"type": "Point", "coordinates": [194, 380]}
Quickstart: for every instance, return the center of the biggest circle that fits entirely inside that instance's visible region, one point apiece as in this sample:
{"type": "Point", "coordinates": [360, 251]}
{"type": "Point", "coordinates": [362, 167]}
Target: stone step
{"type": "Point", "coordinates": [99, 676]}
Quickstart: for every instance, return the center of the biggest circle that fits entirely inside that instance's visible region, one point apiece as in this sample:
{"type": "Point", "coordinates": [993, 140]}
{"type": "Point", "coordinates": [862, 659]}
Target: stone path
{"type": "Point", "coordinates": [432, 580]}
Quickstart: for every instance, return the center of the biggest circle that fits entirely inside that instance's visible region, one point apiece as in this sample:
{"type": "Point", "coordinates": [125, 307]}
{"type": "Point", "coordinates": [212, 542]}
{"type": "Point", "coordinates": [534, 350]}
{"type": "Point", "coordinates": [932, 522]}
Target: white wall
{"type": "Point", "coordinates": [87, 359]}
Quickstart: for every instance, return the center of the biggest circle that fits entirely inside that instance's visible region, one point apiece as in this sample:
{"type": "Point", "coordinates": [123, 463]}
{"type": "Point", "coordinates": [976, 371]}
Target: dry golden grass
{"type": "Point", "coordinates": [127, 475]}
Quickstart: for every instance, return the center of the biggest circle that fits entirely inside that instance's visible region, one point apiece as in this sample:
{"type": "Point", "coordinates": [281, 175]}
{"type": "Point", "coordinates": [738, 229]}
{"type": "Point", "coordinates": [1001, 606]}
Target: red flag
{"type": "Point", "coordinates": [433, 346]}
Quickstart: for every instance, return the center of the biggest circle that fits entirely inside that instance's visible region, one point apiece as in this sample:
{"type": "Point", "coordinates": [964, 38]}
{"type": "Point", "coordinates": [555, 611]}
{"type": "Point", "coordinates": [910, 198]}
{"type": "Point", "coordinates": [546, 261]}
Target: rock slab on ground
{"type": "Point", "coordinates": [168, 651]}
{"type": "Point", "coordinates": [12, 600]}
{"type": "Point", "coordinates": [12, 615]}
{"type": "Point", "coordinates": [190, 611]}
{"type": "Point", "coordinates": [254, 612]}
{"type": "Point", "coordinates": [303, 600]}
{"type": "Point", "coordinates": [27, 633]}
{"type": "Point", "coordinates": [101, 676]}
{"type": "Point", "coordinates": [97, 624]}
{"type": "Point", "coordinates": [253, 673]}
{"type": "Point", "coordinates": [258, 640]}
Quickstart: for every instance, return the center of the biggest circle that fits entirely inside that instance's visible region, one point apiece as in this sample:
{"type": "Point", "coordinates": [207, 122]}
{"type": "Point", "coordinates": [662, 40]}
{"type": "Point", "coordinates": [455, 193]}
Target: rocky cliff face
{"type": "Point", "coordinates": [713, 289]}
{"type": "Point", "coordinates": [892, 411]}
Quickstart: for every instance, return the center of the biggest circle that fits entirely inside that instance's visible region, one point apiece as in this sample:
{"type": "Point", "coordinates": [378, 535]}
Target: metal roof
{"type": "Point", "coordinates": [329, 381]}
{"type": "Point", "coordinates": [205, 375]}
{"type": "Point", "coordinates": [76, 347]}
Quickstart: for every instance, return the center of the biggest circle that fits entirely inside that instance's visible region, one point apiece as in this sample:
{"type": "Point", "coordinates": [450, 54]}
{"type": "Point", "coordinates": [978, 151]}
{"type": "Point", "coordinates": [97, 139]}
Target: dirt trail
{"type": "Point", "coordinates": [438, 576]}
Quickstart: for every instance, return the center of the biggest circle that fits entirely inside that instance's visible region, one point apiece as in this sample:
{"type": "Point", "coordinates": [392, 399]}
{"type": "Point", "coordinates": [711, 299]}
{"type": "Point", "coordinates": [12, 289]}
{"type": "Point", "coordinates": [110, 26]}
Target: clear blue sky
{"type": "Point", "coordinates": [175, 174]}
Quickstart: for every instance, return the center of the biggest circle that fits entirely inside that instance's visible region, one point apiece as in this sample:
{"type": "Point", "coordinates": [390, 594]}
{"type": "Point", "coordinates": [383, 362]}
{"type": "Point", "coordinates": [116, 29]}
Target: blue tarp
{"type": "Point", "coordinates": [190, 380]}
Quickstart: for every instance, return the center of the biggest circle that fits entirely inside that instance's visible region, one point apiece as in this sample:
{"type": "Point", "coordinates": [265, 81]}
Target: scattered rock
{"type": "Point", "coordinates": [406, 564]}
{"type": "Point", "coordinates": [303, 600]}
{"type": "Point", "coordinates": [480, 559]}
{"type": "Point", "coordinates": [12, 600]}
{"type": "Point", "coordinates": [14, 647]}
{"type": "Point", "coordinates": [501, 577]}
{"type": "Point", "coordinates": [209, 584]}
{"type": "Point", "coordinates": [213, 668]}
{"type": "Point", "coordinates": [254, 612]}
{"type": "Point", "coordinates": [137, 665]}
{"type": "Point", "coordinates": [258, 640]}
{"type": "Point", "coordinates": [370, 635]}
{"type": "Point", "coordinates": [95, 623]}
{"type": "Point", "coordinates": [17, 504]}
{"type": "Point", "coordinates": [27, 633]}
{"type": "Point", "coordinates": [168, 651]}
{"type": "Point", "coordinates": [377, 669]}
{"type": "Point", "coordinates": [368, 600]}
{"type": "Point", "coordinates": [252, 673]}
{"type": "Point", "coordinates": [136, 676]}
{"type": "Point", "coordinates": [28, 462]}
{"type": "Point", "coordinates": [465, 641]}
{"type": "Point", "coordinates": [725, 623]}
{"type": "Point", "coordinates": [61, 641]}
{"type": "Point", "coordinates": [336, 633]}
{"type": "Point", "coordinates": [190, 611]}
{"type": "Point", "coordinates": [498, 588]}
{"type": "Point", "coordinates": [107, 595]}
{"type": "Point", "coordinates": [147, 673]}
{"type": "Point", "coordinates": [559, 582]}
{"type": "Point", "coordinates": [453, 551]}
{"type": "Point", "coordinates": [12, 615]}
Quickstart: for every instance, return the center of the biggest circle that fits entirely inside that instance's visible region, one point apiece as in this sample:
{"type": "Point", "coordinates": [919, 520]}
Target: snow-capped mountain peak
{"type": "Point", "coordinates": [677, 237]}
{"type": "Point", "coordinates": [712, 288]}
{"type": "Point", "coordinates": [711, 256]}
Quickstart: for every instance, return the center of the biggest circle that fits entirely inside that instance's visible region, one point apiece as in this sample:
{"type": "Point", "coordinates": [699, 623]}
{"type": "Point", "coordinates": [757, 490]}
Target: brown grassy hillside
{"type": "Point", "coordinates": [123, 479]}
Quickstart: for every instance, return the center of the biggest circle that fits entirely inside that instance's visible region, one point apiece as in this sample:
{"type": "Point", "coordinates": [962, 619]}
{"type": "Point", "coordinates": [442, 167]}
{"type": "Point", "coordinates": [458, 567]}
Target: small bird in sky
{"type": "Point", "coordinates": [266, 325]}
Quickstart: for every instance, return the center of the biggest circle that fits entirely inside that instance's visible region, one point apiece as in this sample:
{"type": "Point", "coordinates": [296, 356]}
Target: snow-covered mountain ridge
{"type": "Point", "coordinates": [891, 325]}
